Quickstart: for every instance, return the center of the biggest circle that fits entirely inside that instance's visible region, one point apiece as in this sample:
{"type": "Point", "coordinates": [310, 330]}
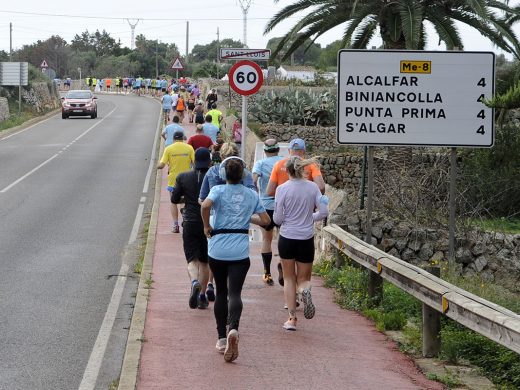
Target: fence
{"type": "Point", "coordinates": [490, 320]}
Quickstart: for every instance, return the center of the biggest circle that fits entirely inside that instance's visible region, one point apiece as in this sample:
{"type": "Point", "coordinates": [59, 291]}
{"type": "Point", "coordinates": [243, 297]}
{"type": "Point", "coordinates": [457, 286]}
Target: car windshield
{"type": "Point", "coordinates": [79, 95]}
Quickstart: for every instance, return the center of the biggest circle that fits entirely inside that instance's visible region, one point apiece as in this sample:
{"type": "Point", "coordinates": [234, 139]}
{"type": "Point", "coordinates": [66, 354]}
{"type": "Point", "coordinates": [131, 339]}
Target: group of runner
{"type": "Point", "coordinates": [221, 199]}
{"type": "Point", "coordinates": [139, 85]}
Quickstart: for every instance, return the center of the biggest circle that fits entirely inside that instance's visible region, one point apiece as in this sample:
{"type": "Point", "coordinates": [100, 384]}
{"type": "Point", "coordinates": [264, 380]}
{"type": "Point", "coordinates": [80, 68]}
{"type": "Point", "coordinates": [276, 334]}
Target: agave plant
{"type": "Point", "coordinates": [295, 107]}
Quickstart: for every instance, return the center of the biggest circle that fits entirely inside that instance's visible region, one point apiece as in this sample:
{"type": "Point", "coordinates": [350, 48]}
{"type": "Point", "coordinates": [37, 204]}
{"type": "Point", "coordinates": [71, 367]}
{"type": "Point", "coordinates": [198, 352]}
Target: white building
{"type": "Point", "coordinates": [303, 73]}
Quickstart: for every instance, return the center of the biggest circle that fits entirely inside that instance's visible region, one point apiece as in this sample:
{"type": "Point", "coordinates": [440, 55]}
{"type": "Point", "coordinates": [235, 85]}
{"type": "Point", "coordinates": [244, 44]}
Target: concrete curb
{"type": "Point", "coordinates": [30, 122]}
{"type": "Point", "coordinates": [130, 367]}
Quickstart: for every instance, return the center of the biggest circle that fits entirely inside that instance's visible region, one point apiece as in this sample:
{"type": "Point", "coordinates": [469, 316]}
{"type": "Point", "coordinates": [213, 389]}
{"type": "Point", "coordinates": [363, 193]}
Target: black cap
{"type": "Point", "coordinates": [178, 135]}
{"type": "Point", "coordinates": [202, 158]}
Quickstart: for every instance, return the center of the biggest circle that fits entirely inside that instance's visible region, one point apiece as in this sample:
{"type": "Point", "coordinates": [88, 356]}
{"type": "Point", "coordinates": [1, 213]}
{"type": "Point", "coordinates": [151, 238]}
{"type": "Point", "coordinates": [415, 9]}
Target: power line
{"type": "Point", "coordinates": [123, 18]}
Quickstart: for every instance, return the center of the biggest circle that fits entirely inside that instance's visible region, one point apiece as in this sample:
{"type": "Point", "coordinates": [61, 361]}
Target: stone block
{"type": "Point", "coordinates": [426, 252]}
{"type": "Point", "coordinates": [401, 244]}
{"type": "Point", "coordinates": [437, 257]}
{"type": "Point", "coordinates": [478, 249]}
{"type": "Point", "coordinates": [387, 244]}
{"type": "Point", "coordinates": [407, 254]}
{"type": "Point", "coordinates": [387, 226]}
{"type": "Point", "coordinates": [377, 232]}
{"type": "Point", "coordinates": [463, 256]}
{"type": "Point", "coordinates": [480, 263]}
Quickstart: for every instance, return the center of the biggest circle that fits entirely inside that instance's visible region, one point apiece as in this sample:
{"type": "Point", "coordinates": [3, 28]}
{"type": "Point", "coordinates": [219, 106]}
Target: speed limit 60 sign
{"type": "Point", "coordinates": [245, 78]}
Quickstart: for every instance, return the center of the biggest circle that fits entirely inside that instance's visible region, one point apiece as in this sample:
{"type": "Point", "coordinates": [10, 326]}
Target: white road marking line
{"type": "Point", "coordinates": [27, 128]}
{"type": "Point", "coordinates": [96, 357]}
{"type": "Point", "coordinates": [56, 155]}
{"type": "Point", "coordinates": [152, 159]}
{"type": "Point", "coordinates": [137, 223]}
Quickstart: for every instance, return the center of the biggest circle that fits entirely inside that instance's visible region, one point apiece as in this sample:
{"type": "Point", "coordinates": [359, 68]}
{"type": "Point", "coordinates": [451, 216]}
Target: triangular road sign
{"type": "Point", "coordinates": [177, 64]}
{"type": "Point", "coordinates": [44, 64]}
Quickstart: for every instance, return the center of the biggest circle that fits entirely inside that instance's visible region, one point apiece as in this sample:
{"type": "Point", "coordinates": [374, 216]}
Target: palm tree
{"type": "Point", "coordinates": [401, 22]}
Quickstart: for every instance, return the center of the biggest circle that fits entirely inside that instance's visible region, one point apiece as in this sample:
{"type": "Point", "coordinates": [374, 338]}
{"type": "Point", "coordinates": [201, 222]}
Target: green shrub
{"type": "Point", "coordinates": [490, 178]}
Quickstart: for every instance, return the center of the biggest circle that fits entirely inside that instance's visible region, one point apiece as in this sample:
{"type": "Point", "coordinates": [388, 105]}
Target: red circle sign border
{"type": "Point", "coordinates": [252, 91]}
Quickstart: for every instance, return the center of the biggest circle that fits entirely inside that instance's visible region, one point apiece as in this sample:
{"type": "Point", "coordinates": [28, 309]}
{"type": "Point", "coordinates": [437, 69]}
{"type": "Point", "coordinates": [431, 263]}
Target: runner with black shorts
{"type": "Point", "coordinates": [295, 202]}
{"type": "Point", "coordinates": [187, 188]}
{"type": "Point", "coordinates": [261, 174]}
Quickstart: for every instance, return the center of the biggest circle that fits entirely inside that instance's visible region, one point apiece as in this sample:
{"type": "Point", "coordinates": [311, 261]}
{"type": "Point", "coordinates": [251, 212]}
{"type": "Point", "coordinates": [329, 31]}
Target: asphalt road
{"type": "Point", "coordinates": [70, 193]}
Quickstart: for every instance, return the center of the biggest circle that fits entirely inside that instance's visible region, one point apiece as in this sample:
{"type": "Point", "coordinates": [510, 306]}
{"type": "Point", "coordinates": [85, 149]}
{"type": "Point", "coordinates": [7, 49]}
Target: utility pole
{"type": "Point", "coordinates": [245, 4]}
{"type": "Point", "coordinates": [218, 52]}
{"type": "Point", "coordinates": [10, 42]}
{"type": "Point", "coordinates": [132, 27]}
{"type": "Point", "coordinates": [187, 40]}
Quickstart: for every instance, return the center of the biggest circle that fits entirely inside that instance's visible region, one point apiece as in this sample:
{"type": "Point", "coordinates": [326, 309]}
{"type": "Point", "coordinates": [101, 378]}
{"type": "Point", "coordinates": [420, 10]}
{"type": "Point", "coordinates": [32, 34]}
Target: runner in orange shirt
{"type": "Point", "coordinates": [279, 176]}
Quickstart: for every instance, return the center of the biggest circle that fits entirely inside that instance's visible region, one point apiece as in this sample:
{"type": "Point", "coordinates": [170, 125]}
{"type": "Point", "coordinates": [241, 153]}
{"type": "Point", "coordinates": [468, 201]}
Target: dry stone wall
{"type": "Point", "coordinates": [4, 109]}
{"type": "Point", "coordinates": [492, 256]}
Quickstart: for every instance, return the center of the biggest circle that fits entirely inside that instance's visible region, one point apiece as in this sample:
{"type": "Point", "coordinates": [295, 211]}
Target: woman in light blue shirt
{"type": "Point", "coordinates": [233, 206]}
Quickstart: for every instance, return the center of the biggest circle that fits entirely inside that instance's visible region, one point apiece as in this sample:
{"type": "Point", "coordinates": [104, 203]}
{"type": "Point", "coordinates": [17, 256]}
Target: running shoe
{"type": "Point", "coordinates": [268, 279]}
{"type": "Point", "coordinates": [203, 302]}
{"type": "Point", "coordinates": [176, 229]}
{"type": "Point", "coordinates": [210, 293]}
{"type": "Point", "coordinates": [290, 324]}
{"type": "Point", "coordinates": [194, 296]}
{"type": "Point", "coordinates": [231, 352]}
{"type": "Point", "coordinates": [308, 306]}
{"type": "Point", "coordinates": [221, 345]}
{"type": "Point", "coordinates": [280, 274]}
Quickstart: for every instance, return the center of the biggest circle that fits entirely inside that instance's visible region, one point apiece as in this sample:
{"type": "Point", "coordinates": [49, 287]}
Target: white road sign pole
{"type": "Point", "coordinates": [244, 127]}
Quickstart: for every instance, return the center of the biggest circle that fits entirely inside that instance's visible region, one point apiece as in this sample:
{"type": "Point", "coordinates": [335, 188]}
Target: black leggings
{"type": "Point", "coordinates": [229, 279]}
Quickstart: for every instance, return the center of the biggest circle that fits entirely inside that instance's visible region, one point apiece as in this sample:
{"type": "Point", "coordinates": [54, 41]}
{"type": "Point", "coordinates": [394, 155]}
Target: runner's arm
{"type": "Point", "coordinates": [205, 211]}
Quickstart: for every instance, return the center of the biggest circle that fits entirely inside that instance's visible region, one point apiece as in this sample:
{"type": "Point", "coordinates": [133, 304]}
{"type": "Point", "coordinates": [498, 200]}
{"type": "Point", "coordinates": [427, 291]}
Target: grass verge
{"type": "Point", "coordinates": [400, 311]}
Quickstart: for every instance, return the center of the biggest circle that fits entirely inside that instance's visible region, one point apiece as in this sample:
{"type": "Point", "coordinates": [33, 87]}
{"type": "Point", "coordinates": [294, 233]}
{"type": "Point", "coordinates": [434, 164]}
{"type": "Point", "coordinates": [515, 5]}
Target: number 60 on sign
{"type": "Point", "coordinates": [245, 78]}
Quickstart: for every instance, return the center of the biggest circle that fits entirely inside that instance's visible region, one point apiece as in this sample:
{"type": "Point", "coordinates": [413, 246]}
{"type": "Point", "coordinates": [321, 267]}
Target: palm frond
{"type": "Point", "coordinates": [483, 29]}
{"type": "Point", "coordinates": [479, 7]}
{"type": "Point", "coordinates": [445, 29]}
{"type": "Point", "coordinates": [290, 10]}
{"type": "Point", "coordinates": [364, 34]}
{"type": "Point", "coordinates": [411, 17]}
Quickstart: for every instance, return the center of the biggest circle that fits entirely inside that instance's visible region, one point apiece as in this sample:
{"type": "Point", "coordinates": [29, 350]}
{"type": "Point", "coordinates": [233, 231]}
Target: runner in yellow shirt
{"type": "Point", "coordinates": [179, 157]}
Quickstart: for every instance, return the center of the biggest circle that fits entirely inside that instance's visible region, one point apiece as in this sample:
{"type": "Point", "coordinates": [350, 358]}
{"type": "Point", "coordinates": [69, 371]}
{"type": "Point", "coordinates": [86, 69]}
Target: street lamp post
{"type": "Point", "coordinates": [80, 79]}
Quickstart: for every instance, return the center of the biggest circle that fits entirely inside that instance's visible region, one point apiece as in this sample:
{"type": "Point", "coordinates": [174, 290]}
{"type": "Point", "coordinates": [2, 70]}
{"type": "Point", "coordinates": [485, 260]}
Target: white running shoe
{"type": "Point", "coordinates": [231, 352]}
{"type": "Point", "coordinates": [221, 345]}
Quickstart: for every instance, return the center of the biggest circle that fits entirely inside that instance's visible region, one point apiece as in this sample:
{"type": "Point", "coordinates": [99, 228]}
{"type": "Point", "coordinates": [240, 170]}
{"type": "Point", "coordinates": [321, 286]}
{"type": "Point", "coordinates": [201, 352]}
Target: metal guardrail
{"type": "Point", "coordinates": [490, 320]}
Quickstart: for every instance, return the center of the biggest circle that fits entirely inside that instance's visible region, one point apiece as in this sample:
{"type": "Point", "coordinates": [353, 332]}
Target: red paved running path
{"type": "Point", "coordinates": [337, 349]}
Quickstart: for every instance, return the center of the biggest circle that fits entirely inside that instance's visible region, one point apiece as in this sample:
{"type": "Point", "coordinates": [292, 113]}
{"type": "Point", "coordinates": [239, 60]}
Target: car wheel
{"type": "Point", "coordinates": [64, 116]}
{"type": "Point", "coordinates": [94, 115]}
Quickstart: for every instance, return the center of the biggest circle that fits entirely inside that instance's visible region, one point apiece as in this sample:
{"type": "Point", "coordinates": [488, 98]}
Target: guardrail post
{"type": "Point", "coordinates": [338, 256]}
{"type": "Point", "coordinates": [431, 319]}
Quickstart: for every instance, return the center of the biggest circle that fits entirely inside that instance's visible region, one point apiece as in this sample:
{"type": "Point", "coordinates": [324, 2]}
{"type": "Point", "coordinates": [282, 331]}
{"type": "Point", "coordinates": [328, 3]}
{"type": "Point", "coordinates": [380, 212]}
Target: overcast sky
{"type": "Point", "coordinates": [204, 17]}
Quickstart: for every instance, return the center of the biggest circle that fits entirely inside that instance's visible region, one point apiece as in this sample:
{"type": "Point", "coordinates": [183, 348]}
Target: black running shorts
{"type": "Point", "coordinates": [194, 241]}
{"type": "Point", "coordinates": [300, 250]}
{"type": "Point", "coordinates": [272, 224]}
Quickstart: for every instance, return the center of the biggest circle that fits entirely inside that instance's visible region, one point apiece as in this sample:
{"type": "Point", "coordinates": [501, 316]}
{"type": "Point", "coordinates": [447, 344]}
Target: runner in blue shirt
{"type": "Point", "coordinates": [261, 174]}
{"type": "Point", "coordinates": [169, 130]}
{"type": "Point", "coordinates": [166, 106]}
{"type": "Point", "coordinates": [210, 129]}
{"type": "Point", "coordinates": [233, 207]}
